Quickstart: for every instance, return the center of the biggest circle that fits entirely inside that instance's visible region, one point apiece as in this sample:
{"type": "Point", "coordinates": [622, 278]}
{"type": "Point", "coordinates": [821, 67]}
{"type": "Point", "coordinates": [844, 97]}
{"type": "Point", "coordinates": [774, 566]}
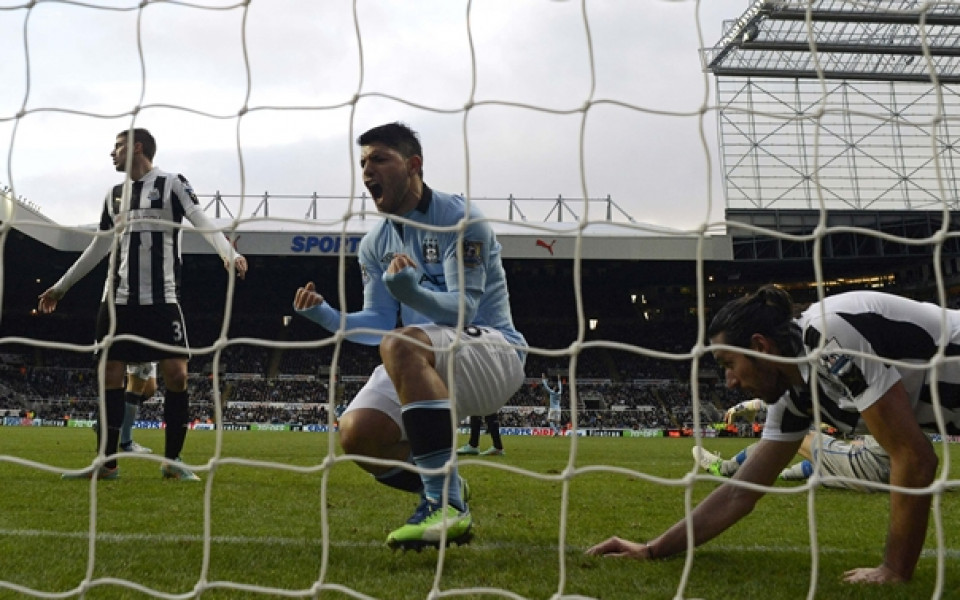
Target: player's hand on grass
{"type": "Point", "coordinates": [307, 297]}
{"type": "Point", "coordinates": [881, 574]}
{"type": "Point", "coordinates": [47, 301]}
{"type": "Point", "coordinates": [619, 547]}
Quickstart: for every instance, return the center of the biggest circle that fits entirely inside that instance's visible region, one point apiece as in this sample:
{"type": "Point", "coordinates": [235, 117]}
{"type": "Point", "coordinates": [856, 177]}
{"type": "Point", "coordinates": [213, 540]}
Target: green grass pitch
{"type": "Point", "coordinates": [265, 526]}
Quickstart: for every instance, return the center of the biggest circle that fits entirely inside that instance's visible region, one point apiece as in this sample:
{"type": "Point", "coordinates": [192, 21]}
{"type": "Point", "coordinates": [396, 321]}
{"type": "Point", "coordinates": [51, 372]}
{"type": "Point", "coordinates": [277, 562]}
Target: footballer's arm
{"type": "Point", "coordinates": [913, 464]}
{"type": "Point", "coordinates": [719, 511]}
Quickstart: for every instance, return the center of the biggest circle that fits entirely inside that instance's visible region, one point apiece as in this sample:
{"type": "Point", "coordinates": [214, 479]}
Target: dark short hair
{"type": "Point", "coordinates": [398, 136]}
{"type": "Point", "coordinates": [768, 311]}
{"type": "Point", "coordinates": [144, 138]}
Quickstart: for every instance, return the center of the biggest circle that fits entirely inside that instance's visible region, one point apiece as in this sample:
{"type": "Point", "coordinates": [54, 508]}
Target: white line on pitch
{"type": "Point", "coordinates": [949, 553]}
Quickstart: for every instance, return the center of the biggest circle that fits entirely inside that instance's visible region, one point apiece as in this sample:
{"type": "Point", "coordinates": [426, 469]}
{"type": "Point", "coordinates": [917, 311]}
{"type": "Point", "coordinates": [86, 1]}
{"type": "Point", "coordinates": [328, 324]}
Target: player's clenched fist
{"type": "Point", "coordinates": [400, 262]}
{"type": "Point", "coordinates": [307, 297]}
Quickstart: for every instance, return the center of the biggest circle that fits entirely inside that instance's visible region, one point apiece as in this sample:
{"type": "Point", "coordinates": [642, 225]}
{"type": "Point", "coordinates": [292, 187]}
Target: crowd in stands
{"type": "Point", "coordinates": [277, 378]}
{"type": "Point", "coordinates": [302, 396]}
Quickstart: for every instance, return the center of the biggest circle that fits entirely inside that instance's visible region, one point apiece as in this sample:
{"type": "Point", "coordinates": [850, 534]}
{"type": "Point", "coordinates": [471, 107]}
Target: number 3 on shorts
{"type": "Point", "coordinates": [177, 331]}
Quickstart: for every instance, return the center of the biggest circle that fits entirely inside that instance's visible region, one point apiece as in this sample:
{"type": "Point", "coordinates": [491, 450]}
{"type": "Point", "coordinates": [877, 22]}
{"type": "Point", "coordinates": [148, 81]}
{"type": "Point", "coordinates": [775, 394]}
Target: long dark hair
{"type": "Point", "coordinates": [768, 311]}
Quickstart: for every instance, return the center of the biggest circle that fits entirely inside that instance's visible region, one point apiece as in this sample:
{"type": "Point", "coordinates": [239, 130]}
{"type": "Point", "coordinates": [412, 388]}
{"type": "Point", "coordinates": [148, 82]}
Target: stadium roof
{"type": "Point", "coordinates": [868, 40]}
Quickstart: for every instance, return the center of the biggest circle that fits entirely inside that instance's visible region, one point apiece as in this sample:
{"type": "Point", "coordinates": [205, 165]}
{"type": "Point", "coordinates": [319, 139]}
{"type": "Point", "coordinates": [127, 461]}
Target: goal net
{"type": "Point", "coordinates": [600, 142]}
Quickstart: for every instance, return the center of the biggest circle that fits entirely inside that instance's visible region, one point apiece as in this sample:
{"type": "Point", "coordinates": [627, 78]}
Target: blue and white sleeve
{"type": "Point", "coordinates": [379, 313]}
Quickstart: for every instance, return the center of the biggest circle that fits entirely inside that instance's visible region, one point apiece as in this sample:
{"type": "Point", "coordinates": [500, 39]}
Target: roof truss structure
{"type": "Point", "coordinates": [849, 103]}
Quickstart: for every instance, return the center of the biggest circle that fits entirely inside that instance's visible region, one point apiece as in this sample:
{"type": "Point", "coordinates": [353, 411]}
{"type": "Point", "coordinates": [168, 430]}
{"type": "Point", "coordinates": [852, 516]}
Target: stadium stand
{"type": "Point", "coordinates": [275, 368]}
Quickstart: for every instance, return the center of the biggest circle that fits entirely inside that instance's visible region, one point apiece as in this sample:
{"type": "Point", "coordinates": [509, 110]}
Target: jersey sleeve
{"type": "Point", "coordinates": [185, 195]}
{"type": "Point", "coordinates": [786, 422]}
{"type": "Point", "coordinates": [379, 310]}
{"type": "Point", "coordinates": [858, 378]}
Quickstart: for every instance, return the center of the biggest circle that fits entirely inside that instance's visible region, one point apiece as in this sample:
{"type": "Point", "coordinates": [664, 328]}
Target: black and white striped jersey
{"type": "Point", "coordinates": [148, 263]}
{"type": "Point", "coordinates": [861, 344]}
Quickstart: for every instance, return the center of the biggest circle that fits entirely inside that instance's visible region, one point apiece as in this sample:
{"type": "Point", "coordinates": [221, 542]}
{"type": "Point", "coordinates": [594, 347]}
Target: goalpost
{"type": "Point", "coordinates": [261, 93]}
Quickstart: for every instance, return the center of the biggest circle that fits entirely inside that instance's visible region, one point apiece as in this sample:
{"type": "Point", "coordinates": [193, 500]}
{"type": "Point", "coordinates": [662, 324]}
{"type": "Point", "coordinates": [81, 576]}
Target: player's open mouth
{"type": "Point", "coordinates": [376, 190]}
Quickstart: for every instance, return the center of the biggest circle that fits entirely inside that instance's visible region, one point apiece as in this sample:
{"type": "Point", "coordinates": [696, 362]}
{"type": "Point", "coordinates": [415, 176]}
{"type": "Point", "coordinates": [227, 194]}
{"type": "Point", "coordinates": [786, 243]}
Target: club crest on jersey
{"type": "Point", "coordinates": [153, 195]}
{"type": "Point", "coordinates": [839, 374]}
{"type": "Point", "coordinates": [472, 254]}
{"type": "Point", "coordinates": [431, 251]}
{"type": "Point", "coordinates": [188, 189]}
{"type": "Point", "coordinates": [387, 259]}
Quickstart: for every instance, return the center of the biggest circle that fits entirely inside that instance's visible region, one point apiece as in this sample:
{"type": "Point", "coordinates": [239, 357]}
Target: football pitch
{"type": "Point", "coordinates": [256, 531]}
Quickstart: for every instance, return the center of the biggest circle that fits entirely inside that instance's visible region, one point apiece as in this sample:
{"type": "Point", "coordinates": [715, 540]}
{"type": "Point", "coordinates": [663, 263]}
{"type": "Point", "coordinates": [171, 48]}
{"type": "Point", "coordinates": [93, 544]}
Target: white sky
{"type": "Point", "coordinates": [74, 74]}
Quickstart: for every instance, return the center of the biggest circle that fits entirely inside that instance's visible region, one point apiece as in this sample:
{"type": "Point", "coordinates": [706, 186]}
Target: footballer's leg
{"type": "Point", "coordinates": [141, 384]}
{"type": "Point", "coordinates": [486, 373]}
{"type": "Point", "coordinates": [372, 426]}
{"type": "Point", "coordinates": [176, 416]}
{"type": "Point", "coordinates": [854, 463]}
{"type": "Point", "coordinates": [473, 446]}
{"type": "Point", "coordinates": [493, 428]}
{"type": "Point", "coordinates": [109, 424]}
{"type": "Point", "coordinates": [428, 422]}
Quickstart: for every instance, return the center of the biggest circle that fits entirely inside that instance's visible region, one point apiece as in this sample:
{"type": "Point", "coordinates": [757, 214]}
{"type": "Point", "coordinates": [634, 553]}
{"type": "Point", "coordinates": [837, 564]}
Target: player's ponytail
{"type": "Point", "coordinates": [768, 311]}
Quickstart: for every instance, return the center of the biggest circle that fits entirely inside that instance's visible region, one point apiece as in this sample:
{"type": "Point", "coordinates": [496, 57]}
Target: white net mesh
{"type": "Point", "coordinates": [594, 114]}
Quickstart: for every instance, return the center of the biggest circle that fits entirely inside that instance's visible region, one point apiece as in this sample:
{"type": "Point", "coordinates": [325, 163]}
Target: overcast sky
{"type": "Point", "coordinates": [74, 74]}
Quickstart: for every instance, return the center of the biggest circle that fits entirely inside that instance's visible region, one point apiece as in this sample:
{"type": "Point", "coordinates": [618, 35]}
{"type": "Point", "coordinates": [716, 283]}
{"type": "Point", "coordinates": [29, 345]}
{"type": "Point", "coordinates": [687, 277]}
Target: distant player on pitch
{"type": "Point", "coordinates": [141, 385]}
{"type": "Point", "coordinates": [852, 340]}
{"type": "Point", "coordinates": [150, 205]}
{"type": "Point", "coordinates": [553, 406]}
{"type": "Point", "coordinates": [862, 460]}
{"type": "Point", "coordinates": [404, 412]}
{"type": "Point", "coordinates": [472, 447]}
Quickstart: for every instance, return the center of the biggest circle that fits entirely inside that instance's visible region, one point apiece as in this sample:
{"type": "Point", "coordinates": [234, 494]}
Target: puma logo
{"type": "Point", "coordinates": [549, 246]}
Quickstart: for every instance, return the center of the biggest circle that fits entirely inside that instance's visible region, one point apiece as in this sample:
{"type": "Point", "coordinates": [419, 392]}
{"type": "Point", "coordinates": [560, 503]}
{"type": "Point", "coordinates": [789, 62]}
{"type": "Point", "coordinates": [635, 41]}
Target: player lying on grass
{"type": "Point", "coordinates": [434, 261]}
{"type": "Point", "coordinates": [868, 352]}
{"type": "Point", "coordinates": [861, 460]}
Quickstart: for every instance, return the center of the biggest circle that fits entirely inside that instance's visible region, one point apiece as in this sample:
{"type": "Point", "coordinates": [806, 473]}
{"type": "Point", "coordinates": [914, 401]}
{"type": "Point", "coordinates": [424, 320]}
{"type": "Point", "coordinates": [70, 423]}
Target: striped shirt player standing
{"type": "Point", "coordinates": [145, 282]}
{"type": "Point", "coordinates": [867, 352]}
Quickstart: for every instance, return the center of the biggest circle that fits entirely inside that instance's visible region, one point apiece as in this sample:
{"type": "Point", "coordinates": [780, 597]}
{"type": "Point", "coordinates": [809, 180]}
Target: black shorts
{"type": "Point", "coordinates": [161, 323]}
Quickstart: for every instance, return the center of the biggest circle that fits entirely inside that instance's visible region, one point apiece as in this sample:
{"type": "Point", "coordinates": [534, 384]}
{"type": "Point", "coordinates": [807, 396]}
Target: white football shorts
{"type": "Point", "coordinates": [144, 370]}
{"type": "Point", "coordinates": [486, 373]}
{"type": "Point", "coordinates": [864, 460]}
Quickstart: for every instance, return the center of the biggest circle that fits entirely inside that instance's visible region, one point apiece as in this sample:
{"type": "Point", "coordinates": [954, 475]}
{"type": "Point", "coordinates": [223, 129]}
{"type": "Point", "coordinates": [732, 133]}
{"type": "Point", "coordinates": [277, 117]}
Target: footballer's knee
{"type": "Point", "coordinates": [367, 432]}
{"type": "Point", "coordinates": [113, 374]}
{"type": "Point", "coordinates": [412, 344]}
{"type": "Point", "coordinates": [174, 374]}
